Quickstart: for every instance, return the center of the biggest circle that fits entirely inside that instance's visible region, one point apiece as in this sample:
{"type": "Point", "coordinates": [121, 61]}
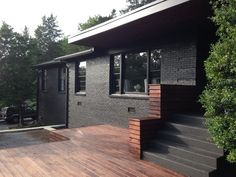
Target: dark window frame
{"type": "Point", "coordinates": [44, 80]}
{"type": "Point", "coordinates": [122, 69]}
{"type": "Point", "coordinates": [77, 78]}
{"type": "Point", "coordinates": [61, 78]}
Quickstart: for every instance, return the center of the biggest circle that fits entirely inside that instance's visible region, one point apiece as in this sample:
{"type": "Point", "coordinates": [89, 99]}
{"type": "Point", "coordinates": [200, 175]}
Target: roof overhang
{"type": "Point", "coordinates": [51, 63]}
{"type": "Point", "coordinates": [63, 59]}
{"type": "Point", "coordinates": [75, 55]}
{"type": "Point", "coordinates": [147, 22]}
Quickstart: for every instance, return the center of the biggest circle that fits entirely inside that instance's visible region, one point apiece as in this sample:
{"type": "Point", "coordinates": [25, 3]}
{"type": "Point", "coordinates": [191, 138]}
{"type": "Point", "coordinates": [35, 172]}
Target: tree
{"type": "Point", "coordinates": [134, 4]}
{"type": "Point", "coordinates": [16, 75]}
{"type": "Point", "coordinates": [219, 97]}
{"type": "Point", "coordinates": [97, 19]}
{"type": "Point", "coordinates": [48, 36]}
{"type": "Point", "coordinates": [19, 52]}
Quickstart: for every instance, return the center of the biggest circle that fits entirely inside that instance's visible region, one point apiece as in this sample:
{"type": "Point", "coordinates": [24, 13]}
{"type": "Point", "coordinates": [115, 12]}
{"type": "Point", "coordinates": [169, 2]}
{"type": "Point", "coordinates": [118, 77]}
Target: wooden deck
{"type": "Point", "coordinates": [91, 151]}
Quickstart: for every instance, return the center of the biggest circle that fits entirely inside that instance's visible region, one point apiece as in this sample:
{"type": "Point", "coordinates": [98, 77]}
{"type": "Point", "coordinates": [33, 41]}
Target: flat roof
{"type": "Point", "coordinates": [149, 9]}
{"type": "Point", "coordinates": [149, 21]}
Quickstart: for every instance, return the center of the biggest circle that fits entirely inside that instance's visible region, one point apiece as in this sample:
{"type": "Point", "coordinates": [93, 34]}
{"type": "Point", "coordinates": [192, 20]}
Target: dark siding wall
{"type": "Point", "coordinates": [97, 107]}
{"type": "Point", "coordinates": [52, 104]}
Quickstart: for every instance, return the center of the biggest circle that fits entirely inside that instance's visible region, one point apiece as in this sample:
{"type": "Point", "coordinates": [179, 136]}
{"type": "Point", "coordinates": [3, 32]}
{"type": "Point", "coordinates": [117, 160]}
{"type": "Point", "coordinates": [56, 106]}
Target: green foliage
{"type": "Point", "coordinates": [19, 52]}
{"type": "Point", "coordinates": [219, 97]}
{"type": "Point", "coordinates": [134, 4]}
{"type": "Point", "coordinates": [48, 39]}
{"type": "Point", "coordinates": [15, 66]}
{"type": "Point", "coordinates": [97, 19]}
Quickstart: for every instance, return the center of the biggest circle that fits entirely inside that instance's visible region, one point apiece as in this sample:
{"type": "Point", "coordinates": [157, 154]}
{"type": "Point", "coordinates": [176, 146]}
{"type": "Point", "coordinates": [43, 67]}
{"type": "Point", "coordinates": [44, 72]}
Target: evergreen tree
{"type": "Point", "coordinates": [48, 36]}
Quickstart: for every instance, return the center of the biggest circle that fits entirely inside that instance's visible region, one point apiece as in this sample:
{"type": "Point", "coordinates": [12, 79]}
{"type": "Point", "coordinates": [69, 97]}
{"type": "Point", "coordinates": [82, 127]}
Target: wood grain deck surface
{"type": "Point", "coordinates": [90, 151]}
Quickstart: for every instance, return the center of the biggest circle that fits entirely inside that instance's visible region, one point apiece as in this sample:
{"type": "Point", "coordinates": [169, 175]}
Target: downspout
{"type": "Point", "coordinates": [67, 96]}
{"type": "Point", "coordinates": [37, 97]}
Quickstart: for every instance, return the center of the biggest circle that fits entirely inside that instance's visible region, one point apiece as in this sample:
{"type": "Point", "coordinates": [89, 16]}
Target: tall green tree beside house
{"type": "Point", "coordinates": [19, 52]}
{"type": "Point", "coordinates": [219, 97]}
{"type": "Point", "coordinates": [48, 36]}
{"type": "Point", "coordinates": [16, 75]}
{"type": "Point", "coordinates": [134, 4]}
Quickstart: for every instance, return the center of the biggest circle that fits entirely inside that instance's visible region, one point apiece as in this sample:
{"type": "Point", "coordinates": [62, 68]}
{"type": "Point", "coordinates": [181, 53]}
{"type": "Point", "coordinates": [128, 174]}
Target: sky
{"type": "Point", "coordinates": [21, 13]}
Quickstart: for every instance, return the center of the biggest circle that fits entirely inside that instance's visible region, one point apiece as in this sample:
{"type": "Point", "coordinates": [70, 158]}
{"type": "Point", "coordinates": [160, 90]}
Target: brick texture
{"type": "Point", "coordinates": [178, 67]}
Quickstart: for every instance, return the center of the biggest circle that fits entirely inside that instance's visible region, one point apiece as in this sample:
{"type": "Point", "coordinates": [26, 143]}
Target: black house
{"type": "Point", "coordinates": [164, 42]}
{"type": "Point", "coordinates": [146, 63]}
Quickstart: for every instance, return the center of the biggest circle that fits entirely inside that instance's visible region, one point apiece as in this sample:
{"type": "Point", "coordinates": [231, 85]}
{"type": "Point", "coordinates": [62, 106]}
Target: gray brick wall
{"type": "Point", "coordinates": [178, 64]}
{"type": "Point", "coordinates": [178, 67]}
{"type": "Point", "coordinates": [97, 107]}
{"type": "Point", "coordinates": [52, 104]}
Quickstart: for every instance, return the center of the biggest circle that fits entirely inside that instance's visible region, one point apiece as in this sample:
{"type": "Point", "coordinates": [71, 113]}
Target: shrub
{"type": "Point", "coordinates": [219, 96]}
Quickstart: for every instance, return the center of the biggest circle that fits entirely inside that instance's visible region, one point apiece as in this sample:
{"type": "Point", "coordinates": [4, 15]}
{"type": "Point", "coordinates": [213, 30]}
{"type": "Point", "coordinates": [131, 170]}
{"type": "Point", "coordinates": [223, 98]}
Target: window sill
{"type": "Point", "coordinates": [130, 96]}
{"type": "Point", "coordinates": [80, 93]}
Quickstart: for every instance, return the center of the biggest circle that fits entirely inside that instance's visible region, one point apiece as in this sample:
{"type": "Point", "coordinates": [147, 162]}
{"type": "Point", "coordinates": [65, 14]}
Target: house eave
{"type": "Point", "coordinates": [48, 64]}
{"type": "Point", "coordinates": [75, 55]}
{"type": "Point", "coordinates": [147, 10]}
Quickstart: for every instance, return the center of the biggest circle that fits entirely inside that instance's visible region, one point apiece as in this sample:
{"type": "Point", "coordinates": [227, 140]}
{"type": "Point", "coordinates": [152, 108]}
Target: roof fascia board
{"type": "Point", "coordinates": [77, 54]}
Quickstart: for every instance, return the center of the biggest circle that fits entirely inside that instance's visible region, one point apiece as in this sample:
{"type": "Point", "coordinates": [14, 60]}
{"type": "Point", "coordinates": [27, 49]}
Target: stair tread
{"type": "Point", "coordinates": [194, 150]}
{"type": "Point", "coordinates": [180, 139]}
{"type": "Point", "coordinates": [197, 138]}
{"type": "Point", "coordinates": [187, 126]}
{"type": "Point", "coordinates": [187, 119]}
{"type": "Point", "coordinates": [196, 116]}
{"type": "Point", "coordinates": [180, 161]}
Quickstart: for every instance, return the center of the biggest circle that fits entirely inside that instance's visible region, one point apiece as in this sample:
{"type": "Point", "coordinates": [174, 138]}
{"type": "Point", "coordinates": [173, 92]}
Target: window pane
{"type": "Point", "coordinates": [62, 79]}
{"type": "Point", "coordinates": [155, 66]}
{"type": "Point", "coordinates": [81, 76]}
{"type": "Point", "coordinates": [116, 73]}
{"type": "Point", "coordinates": [135, 73]}
{"type": "Point", "coordinates": [82, 68]}
{"type": "Point", "coordinates": [44, 80]}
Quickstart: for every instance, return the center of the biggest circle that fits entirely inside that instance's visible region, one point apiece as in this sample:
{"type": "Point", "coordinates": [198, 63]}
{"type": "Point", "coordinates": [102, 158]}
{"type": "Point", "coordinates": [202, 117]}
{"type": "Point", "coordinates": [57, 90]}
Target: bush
{"type": "Point", "coordinates": [219, 97]}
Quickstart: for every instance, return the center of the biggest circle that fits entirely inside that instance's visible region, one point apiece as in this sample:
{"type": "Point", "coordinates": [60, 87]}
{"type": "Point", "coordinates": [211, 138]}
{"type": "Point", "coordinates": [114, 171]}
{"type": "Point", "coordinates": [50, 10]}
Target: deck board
{"type": "Point", "coordinates": [89, 152]}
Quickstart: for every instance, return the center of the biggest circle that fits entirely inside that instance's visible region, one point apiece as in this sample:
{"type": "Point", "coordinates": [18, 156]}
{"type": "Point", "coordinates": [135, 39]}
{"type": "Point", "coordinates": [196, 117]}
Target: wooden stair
{"type": "Point", "coordinates": [183, 144]}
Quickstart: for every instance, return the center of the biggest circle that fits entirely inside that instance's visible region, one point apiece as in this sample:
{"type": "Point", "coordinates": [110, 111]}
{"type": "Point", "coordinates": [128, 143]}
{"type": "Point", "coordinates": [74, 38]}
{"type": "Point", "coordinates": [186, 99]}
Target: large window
{"type": "Point", "coordinates": [135, 72]}
{"type": "Point", "coordinates": [132, 72]}
{"type": "Point", "coordinates": [44, 80]}
{"type": "Point", "coordinates": [62, 79]}
{"type": "Point", "coordinates": [80, 76]}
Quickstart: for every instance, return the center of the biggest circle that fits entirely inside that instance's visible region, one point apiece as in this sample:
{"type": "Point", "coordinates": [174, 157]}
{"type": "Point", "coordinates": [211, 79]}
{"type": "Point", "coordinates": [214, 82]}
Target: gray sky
{"type": "Point", "coordinates": [20, 13]}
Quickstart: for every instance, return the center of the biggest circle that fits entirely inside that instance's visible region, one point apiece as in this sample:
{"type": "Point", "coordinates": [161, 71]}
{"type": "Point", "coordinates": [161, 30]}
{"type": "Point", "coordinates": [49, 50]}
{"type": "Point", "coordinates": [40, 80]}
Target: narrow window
{"type": "Point", "coordinates": [135, 72]}
{"type": "Point", "coordinates": [61, 79]}
{"type": "Point", "coordinates": [116, 73]}
{"type": "Point", "coordinates": [80, 78]}
{"type": "Point", "coordinates": [44, 80]}
{"type": "Point", "coordinates": [155, 66]}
